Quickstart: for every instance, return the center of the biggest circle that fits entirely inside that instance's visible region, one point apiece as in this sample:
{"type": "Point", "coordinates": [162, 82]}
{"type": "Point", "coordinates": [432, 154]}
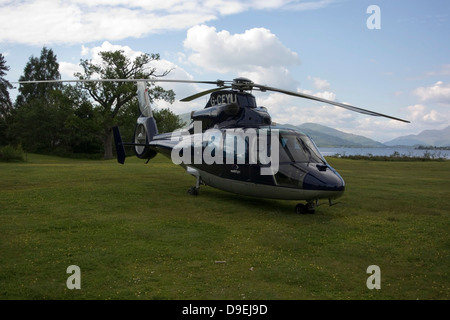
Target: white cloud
{"type": "Point", "coordinates": [107, 46]}
{"type": "Point", "coordinates": [421, 114]}
{"type": "Point", "coordinates": [320, 84]}
{"type": "Point", "coordinates": [84, 51]}
{"type": "Point", "coordinates": [67, 70]}
{"type": "Point", "coordinates": [37, 22]}
{"type": "Point", "coordinates": [224, 52]}
{"type": "Point", "coordinates": [439, 92]}
{"type": "Point", "coordinates": [72, 22]}
{"type": "Point", "coordinates": [272, 76]}
{"type": "Point", "coordinates": [321, 94]}
{"type": "Point", "coordinates": [294, 110]}
{"type": "Point", "coordinates": [256, 54]}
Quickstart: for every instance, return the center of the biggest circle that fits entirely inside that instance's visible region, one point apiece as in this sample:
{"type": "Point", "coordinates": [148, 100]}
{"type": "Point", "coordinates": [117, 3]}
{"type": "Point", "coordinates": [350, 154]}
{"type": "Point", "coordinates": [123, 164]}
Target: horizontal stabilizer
{"type": "Point", "coordinates": [119, 145]}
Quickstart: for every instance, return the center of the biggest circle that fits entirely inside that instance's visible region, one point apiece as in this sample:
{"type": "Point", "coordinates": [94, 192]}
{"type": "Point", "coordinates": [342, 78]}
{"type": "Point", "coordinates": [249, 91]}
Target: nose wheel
{"type": "Point", "coordinates": [308, 208]}
{"type": "Point", "coordinates": [193, 191]}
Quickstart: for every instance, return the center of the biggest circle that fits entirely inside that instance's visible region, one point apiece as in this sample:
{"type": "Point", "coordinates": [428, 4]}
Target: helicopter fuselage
{"type": "Point", "coordinates": [297, 172]}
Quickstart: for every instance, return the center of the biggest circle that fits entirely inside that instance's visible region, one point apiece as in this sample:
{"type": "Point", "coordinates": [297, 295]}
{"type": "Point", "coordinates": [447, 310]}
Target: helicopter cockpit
{"type": "Point", "coordinates": [302, 165]}
{"type": "Point", "coordinates": [296, 147]}
{"type": "Point", "coordinates": [244, 146]}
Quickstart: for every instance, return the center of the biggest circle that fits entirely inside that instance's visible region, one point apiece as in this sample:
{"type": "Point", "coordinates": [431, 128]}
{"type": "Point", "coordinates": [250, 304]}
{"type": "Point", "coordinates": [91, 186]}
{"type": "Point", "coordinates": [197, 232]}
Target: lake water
{"type": "Point", "coordinates": [388, 151]}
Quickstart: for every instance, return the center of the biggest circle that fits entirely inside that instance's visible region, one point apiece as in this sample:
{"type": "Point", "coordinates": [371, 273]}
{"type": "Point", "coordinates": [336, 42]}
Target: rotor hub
{"type": "Point", "coordinates": [242, 84]}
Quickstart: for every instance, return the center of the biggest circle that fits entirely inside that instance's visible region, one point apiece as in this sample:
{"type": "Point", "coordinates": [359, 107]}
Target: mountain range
{"type": "Point", "coordinates": [326, 137]}
{"type": "Point", "coordinates": [437, 138]}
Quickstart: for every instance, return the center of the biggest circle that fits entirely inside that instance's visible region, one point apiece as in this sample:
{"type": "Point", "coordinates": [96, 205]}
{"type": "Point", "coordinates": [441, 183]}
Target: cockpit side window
{"type": "Point", "coordinates": [295, 147]}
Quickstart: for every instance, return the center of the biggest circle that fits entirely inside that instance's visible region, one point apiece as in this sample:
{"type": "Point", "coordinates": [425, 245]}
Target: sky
{"type": "Point", "coordinates": [388, 56]}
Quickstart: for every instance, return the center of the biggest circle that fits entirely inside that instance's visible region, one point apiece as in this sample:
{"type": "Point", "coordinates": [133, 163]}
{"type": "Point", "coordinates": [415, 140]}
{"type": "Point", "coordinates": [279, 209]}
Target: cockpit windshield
{"type": "Point", "coordinates": [244, 147]}
{"type": "Point", "coordinates": [297, 147]}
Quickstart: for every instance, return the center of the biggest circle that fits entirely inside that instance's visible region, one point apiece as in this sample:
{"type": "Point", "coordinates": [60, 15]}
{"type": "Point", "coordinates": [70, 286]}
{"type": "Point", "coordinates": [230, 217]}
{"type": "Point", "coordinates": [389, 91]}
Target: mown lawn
{"type": "Point", "coordinates": [136, 233]}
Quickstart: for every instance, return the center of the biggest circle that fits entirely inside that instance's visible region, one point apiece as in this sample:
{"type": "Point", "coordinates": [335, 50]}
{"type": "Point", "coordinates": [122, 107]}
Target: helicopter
{"type": "Point", "coordinates": [233, 145]}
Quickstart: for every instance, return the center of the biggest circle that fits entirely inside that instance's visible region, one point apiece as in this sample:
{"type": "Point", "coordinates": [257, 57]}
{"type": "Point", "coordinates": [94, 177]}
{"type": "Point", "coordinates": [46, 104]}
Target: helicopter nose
{"type": "Point", "coordinates": [324, 178]}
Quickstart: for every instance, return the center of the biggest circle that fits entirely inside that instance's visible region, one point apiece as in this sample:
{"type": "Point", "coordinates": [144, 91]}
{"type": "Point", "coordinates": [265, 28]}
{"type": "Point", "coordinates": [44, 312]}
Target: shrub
{"type": "Point", "coordinates": [10, 153]}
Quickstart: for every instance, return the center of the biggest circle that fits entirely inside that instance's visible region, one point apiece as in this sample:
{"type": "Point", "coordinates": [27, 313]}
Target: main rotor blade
{"type": "Point", "coordinates": [221, 85]}
{"type": "Point", "coordinates": [218, 82]}
{"type": "Point", "coordinates": [200, 94]}
{"type": "Point", "coordinates": [342, 105]}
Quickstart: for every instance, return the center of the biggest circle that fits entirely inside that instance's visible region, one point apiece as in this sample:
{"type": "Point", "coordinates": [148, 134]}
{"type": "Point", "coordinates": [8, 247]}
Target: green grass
{"type": "Point", "coordinates": [135, 233]}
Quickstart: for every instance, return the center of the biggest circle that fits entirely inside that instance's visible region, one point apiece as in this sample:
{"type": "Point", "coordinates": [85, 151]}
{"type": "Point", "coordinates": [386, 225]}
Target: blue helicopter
{"type": "Point", "coordinates": [232, 145]}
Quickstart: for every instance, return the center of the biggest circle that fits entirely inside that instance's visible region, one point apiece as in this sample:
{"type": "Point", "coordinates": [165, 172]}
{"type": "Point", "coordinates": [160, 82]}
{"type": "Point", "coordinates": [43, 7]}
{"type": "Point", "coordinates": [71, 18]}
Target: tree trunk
{"type": "Point", "coordinates": [107, 144]}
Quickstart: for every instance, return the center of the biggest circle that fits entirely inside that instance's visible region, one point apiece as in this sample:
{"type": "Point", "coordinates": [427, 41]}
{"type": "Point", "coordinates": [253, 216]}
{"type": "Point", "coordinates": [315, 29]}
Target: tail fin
{"type": "Point", "coordinates": [144, 100]}
{"type": "Point", "coordinates": [146, 127]}
{"type": "Point", "coordinates": [146, 111]}
{"type": "Point", "coordinates": [144, 132]}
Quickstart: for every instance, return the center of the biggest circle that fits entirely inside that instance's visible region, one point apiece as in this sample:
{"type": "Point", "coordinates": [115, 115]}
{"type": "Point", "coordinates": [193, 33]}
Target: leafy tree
{"type": "Point", "coordinates": [83, 124]}
{"type": "Point", "coordinates": [45, 67]}
{"type": "Point", "coordinates": [167, 121]}
{"type": "Point", "coordinates": [40, 109]}
{"type": "Point", "coordinates": [5, 101]}
{"type": "Point", "coordinates": [39, 127]}
{"type": "Point", "coordinates": [113, 96]}
{"type": "Point", "coordinates": [5, 85]}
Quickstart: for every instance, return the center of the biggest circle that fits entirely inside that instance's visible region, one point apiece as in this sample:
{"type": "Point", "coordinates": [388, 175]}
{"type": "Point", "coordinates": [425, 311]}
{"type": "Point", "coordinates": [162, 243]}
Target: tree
{"type": "Point", "coordinates": [112, 96]}
{"type": "Point", "coordinates": [40, 109]}
{"type": "Point", "coordinates": [83, 124]}
{"type": "Point", "coordinates": [5, 101]}
{"type": "Point", "coordinates": [167, 121]}
{"type": "Point", "coordinates": [5, 85]}
{"type": "Point", "coordinates": [46, 67]}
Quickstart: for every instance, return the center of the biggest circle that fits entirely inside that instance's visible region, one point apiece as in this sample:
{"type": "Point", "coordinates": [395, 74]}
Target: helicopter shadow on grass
{"type": "Point", "coordinates": [226, 201]}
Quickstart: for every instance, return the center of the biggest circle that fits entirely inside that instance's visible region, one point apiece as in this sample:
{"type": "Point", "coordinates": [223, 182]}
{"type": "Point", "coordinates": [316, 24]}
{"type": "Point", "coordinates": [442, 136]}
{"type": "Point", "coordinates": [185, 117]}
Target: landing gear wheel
{"type": "Point", "coordinates": [308, 208]}
{"type": "Point", "coordinates": [300, 208]}
{"type": "Point", "coordinates": [311, 207]}
{"type": "Point", "coordinates": [193, 191]}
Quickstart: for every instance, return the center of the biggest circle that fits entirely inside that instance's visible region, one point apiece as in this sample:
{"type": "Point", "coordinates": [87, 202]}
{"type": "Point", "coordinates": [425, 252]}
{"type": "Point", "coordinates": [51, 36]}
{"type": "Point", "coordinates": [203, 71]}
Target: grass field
{"type": "Point", "coordinates": [135, 233]}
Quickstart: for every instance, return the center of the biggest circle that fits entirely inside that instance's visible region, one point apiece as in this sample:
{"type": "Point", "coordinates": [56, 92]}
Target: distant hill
{"type": "Point", "coordinates": [325, 137]}
{"type": "Point", "coordinates": [436, 138]}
